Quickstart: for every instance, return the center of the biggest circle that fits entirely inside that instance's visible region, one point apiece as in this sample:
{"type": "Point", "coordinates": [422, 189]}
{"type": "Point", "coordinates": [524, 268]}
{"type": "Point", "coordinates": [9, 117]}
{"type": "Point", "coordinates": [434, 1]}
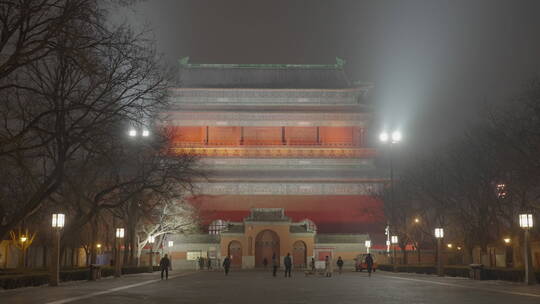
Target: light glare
{"type": "Point", "coordinates": [526, 221]}
{"type": "Point", "coordinates": [396, 136]}
{"type": "Point", "coordinates": [119, 233]}
{"type": "Point", "coordinates": [439, 233]}
{"type": "Point", "coordinates": [58, 220]}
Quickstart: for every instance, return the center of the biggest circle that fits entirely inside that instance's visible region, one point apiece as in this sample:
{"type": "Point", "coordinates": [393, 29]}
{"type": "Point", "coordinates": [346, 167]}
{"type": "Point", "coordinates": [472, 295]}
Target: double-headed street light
{"type": "Point", "coordinates": [117, 267]}
{"type": "Point", "coordinates": [526, 222]}
{"type": "Point", "coordinates": [392, 138]}
{"type": "Point", "coordinates": [439, 234]}
{"type": "Point", "coordinates": [134, 133]}
{"type": "Point", "coordinates": [58, 221]}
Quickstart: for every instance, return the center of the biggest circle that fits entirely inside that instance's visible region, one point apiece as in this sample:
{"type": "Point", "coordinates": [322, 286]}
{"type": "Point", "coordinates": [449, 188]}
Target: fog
{"type": "Point", "coordinates": [435, 64]}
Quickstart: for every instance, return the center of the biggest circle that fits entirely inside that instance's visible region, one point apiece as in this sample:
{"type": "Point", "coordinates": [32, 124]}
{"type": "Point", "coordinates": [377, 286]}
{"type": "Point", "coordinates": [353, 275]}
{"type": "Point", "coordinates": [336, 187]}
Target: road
{"type": "Point", "coordinates": [260, 287]}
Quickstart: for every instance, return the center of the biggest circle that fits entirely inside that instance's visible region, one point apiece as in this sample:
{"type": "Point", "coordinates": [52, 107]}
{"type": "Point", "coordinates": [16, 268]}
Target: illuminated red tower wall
{"type": "Point", "coordinates": [279, 136]}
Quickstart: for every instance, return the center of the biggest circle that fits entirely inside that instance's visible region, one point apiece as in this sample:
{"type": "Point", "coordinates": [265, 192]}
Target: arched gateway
{"type": "Point", "coordinates": [266, 244]}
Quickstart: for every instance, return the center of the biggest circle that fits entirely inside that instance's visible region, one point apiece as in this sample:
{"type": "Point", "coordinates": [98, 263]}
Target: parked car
{"type": "Point", "coordinates": [360, 263]}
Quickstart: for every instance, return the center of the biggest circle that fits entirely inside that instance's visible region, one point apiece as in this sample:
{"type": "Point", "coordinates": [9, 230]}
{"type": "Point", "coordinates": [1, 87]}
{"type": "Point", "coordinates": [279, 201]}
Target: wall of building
{"type": "Point", "coordinates": [331, 213]}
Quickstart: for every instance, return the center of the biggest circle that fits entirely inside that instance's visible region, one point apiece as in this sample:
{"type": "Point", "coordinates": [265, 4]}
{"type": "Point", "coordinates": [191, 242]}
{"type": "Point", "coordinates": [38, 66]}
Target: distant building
{"type": "Point", "coordinates": [284, 139]}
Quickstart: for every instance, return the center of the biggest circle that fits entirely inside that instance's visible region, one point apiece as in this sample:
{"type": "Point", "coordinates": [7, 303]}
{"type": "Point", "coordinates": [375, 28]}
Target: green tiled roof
{"type": "Point", "coordinates": [184, 62]}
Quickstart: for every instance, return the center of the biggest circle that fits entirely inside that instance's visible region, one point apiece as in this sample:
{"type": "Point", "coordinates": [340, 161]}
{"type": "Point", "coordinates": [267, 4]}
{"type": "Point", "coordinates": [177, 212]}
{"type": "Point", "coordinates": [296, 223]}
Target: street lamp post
{"type": "Point", "coordinates": [394, 242]}
{"type": "Point", "coordinates": [58, 221]}
{"type": "Point", "coordinates": [151, 240]}
{"type": "Point", "coordinates": [117, 266]}
{"type": "Point", "coordinates": [392, 139]}
{"type": "Point", "coordinates": [439, 234]}
{"type": "Point", "coordinates": [526, 222]}
{"type": "Point", "coordinates": [368, 245]}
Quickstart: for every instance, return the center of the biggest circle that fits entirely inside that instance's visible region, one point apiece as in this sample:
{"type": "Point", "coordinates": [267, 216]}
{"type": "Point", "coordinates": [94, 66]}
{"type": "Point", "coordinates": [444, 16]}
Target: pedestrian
{"type": "Point", "coordinates": [328, 266]}
{"type": "Point", "coordinates": [312, 265]}
{"type": "Point", "coordinates": [274, 264]}
{"type": "Point", "coordinates": [287, 261]}
{"type": "Point", "coordinates": [339, 264]}
{"type": "Point", "coordinates": [209, 263]}
{"type": "Point", "coordinates": [165, 265]}
{"type": "Point", "coordinates": [227, 264]}
{"type": "Point", "coordinates": [369, 264]}
{"type": "Point", "coordinates": [265, 262]}
{"type": "Point", "coordinates": [201, 263]}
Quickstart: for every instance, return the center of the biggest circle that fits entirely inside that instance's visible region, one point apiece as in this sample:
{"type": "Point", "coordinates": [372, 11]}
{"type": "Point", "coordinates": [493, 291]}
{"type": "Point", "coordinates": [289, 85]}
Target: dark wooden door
{"type": "Point", "coordinates": [299, 254]}
{"type": "Point", "coordinates": [235, 251]}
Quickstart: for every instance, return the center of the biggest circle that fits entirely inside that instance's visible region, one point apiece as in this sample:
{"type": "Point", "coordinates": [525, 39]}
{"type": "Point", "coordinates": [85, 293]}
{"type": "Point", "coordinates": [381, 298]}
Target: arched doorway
{"type": "Point", "coordinates": [299, 254]}
{"type": "Point", "coordinates": [235, 251]}
{"type": "Point", "coordinates": [266, 244]}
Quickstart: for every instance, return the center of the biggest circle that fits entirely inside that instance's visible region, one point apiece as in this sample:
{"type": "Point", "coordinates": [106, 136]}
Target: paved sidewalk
{"type": "Point", "coordinates": [260, 287]}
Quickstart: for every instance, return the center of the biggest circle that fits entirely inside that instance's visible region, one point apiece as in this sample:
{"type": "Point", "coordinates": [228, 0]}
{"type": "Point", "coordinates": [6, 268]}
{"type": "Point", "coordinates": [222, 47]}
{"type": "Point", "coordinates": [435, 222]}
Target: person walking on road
{"type": "Point", "coordinates": [369, 264]}
{"type": "Point", "coordinates": [312, 265]}
{"type": "Point", "coordinates": [227, 264]}
{"type": "Point", "coordinates": [165, 265]}
{"type": "Point", "coordinates": [288, 264]}
{"type": "Point", "coordinates": [339, 264]}
{"type": "Point", "coordinates": [274, 264]}
{"type": "Point", "coordinates": [329, 267]}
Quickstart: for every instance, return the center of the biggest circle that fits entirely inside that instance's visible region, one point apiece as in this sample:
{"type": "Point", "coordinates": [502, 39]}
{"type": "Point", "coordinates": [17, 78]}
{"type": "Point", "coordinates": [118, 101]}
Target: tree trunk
{"type": "Point", "coordinates": [126, 251]}
{"type": "Point", "coordinates": [93, 240]}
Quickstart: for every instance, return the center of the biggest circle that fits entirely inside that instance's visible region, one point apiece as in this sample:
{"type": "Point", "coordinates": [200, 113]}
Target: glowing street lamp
{"type": "Point", "coordinates": [170, 243]}
{"type": "Point", "coordinates": [526, 222]}
{"type": "Point", "coordinates": [151, 240]}
{"type": "Point", "coordinates": [23, 239]}
{"type": "Point", "coordinates": [132, 133]}
{"type": "Point", "coordinates": [449, 246]}
{"type": "Point", "coordinates": [145, 133]}
{"type": "Point", "coordinates": [439, 234]}
{"type": "Point", "coordinates": [416, 220]}
{"type": "Point", "coordinates": [507, 240]}
{"type": "Point", "coordinates": [367, 243]}
{"type": "Point", "coordinates": [58, 221]}
{"type": "Point", "coordinates": [396, 137]}
{"type": "Point", "coordinates": [394, 241]}
{"type": "Point", "coordinates": [117, 268]}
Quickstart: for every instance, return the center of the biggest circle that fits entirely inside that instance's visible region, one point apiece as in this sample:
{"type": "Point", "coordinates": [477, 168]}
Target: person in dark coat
{"type": "Point", "coordinates": [274, 264]}
{"type": "Point", "coordinates": [227, 264]}
{"type": "Point", "coordinates": [312, 265]}
{"type": "Point", "coordinates": [165, 265]}
{"type": "Point", "coordinates": [287, 261]}
{"type": "Point", "coordinates": [339, 264]}
{"type": "Point", "coordinates": [369, 263]}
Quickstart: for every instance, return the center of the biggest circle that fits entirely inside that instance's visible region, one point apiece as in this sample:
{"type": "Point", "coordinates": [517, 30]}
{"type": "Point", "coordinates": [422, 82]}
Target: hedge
{"type": "Point", "coordinates": [503, 274]}
{"type": "Point", "coordinates": [11, 281]}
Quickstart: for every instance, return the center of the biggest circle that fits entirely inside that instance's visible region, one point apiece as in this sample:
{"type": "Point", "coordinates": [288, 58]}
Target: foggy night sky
{"type": "Point", "coordinates": [434, 63]}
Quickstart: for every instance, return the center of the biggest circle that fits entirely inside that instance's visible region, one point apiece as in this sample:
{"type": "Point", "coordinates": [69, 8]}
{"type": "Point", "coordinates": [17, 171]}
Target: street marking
{"type": "Point", "coordinates": [98, 293]}
{"type": "Point", "coordinates": [468, 287]}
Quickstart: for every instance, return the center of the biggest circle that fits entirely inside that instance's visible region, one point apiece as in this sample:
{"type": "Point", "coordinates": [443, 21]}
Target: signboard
{"type": "Point", "coordinates": [194, 255]}
{"type": "Point", "coordinates": [320, 264]}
